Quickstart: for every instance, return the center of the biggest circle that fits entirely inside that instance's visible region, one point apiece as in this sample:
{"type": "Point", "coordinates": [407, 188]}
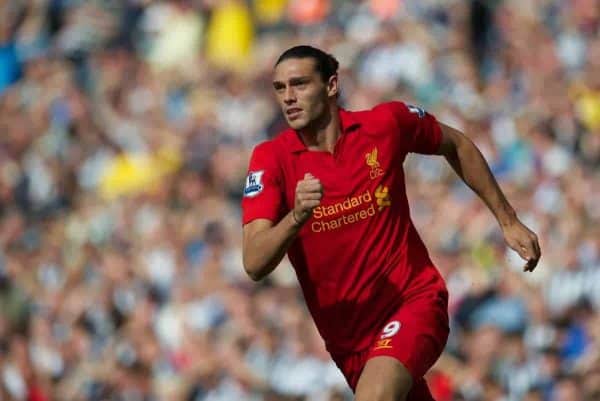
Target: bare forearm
{"type": "Point", "coordinates": [264, 249]}
{"type": "Point", "coordinates": [468, 162]}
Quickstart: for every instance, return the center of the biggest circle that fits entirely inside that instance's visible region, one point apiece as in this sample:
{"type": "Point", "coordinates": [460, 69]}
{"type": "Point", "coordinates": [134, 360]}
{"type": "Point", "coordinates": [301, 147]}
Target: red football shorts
{"type": "Point", "coordinates": [415, 335]}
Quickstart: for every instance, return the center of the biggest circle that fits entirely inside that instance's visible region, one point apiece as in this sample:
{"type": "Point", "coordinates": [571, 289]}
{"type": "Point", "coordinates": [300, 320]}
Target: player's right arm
{"type": "Point", "coordinates": [267, 235]}
{"type": "Point", "coordinates": [265, 244]}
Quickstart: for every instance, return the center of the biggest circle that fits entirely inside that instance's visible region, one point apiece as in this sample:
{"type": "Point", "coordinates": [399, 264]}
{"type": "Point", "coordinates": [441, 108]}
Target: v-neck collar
{"type": "Point", "coordinates": [348, 123]}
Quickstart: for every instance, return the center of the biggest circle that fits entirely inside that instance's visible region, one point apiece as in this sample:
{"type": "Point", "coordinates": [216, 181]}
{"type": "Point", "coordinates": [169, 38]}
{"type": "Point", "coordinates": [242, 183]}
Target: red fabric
{"type": "Point", "coordinates": [309, 11]}
{"type": "Point", "coordinates": [35, 393]}
{"type": "Point", "coordinates": [441, 386]}
{"type": "Point", "coordinates": [359, 253]}
{"type": "Point", "coordinates": [415, 335]}
{"type": "Point", "coordinates": [385, 9]}
{"type": "Point", "coordinates": [181, 360]}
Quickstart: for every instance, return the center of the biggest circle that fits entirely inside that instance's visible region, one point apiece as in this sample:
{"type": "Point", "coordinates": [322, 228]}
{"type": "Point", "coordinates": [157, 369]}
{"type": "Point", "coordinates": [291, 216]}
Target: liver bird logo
{"type": "Point", "coordinates": [372, 162]}
{"type": "Point", "coordinates": [372, 159]}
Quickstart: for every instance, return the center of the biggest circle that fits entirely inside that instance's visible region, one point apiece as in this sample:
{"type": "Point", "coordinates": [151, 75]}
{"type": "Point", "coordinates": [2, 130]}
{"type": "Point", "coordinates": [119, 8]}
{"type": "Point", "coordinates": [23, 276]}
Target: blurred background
{"type": "Point", "coordinates": [125, 132]}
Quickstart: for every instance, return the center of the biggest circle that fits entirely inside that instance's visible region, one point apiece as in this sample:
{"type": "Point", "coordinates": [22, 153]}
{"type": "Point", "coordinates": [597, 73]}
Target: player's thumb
{"type": "Point", "coordinates": [308, 176]}
{"type": "Point", "coordinates": [523, 252]}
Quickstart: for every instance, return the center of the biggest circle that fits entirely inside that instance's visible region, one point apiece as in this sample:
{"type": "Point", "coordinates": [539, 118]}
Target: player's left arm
{"type": "Point", "coordinates": [468, 162]}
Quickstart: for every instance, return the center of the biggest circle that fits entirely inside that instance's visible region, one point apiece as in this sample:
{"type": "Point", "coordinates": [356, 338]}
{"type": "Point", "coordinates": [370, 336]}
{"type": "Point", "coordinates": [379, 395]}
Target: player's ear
{"type": "Point", "coordinates": [332, 86]}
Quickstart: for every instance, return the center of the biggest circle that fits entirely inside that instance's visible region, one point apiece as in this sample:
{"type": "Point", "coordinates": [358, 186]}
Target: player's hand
{"type": "Point", "coordinates": [524, 242]}
{"type": "Point", "coordinates": [309, 193]}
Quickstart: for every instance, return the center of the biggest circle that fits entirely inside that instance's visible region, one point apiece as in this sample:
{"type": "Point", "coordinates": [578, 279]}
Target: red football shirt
{"type": "Point", "coordinates": [359, 253]}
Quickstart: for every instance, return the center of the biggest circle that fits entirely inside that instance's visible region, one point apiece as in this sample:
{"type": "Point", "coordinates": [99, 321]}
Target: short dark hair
{"type": "Point", "coordinates": [325, 63]}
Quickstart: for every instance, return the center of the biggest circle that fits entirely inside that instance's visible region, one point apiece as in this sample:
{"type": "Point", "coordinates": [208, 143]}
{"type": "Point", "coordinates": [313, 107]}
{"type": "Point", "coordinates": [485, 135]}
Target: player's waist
{"type": "Point", "coordinates": [350, 325]}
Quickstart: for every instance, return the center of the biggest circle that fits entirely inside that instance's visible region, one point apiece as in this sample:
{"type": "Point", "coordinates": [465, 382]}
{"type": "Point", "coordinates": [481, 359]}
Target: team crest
{"type": "Point", "coordinates": [416, 110]}
{"type": "Point", "coordinates": [371, 159]}
{"type": "Point", "coordinates": [254, 185]}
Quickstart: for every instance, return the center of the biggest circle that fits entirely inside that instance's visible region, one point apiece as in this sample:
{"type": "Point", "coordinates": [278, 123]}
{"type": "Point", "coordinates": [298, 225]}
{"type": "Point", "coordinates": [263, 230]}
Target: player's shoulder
{"type": "Point", "coordinates": [381, 118]}
{"type": "Point", "coordinates": [265, 147]}
{"type": "Point", "coordinates": [275, 148]}
{"type": "Point", "coordinates": [272, 144]}
{"type": "Point", "coordinates": [399, 109]}
{"type": "Point", "coordinates": [398, 113]}
{"type": "Point", "coordinates": [396, 109]}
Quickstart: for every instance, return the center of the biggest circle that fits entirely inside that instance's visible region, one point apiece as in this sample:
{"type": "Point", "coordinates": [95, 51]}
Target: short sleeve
{"type": "Point", "coordinates": [263, 190]}
{"type": "Point", "coordinates": [420, 131]}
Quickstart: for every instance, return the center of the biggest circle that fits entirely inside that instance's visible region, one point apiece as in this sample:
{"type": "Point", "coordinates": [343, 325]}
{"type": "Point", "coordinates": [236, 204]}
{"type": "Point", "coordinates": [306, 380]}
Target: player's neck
{"type": "Point", "coordinates": [324, 133]}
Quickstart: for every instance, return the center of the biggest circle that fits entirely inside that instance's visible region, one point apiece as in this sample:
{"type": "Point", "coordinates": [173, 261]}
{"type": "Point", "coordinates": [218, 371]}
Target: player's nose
{"type": "Point", "coordinates": [289, 96]}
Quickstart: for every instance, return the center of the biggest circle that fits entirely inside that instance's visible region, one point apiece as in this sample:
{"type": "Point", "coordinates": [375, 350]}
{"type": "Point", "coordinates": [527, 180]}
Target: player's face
{"type": "Point", "coordinates": [301, 92]}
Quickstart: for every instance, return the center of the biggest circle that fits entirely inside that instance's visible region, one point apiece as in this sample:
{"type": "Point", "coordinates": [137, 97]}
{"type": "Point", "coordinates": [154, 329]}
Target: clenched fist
{"type": "Point", "coordinates": [309, 193]}
{"type": "Point", "coordinates": [525, 242]}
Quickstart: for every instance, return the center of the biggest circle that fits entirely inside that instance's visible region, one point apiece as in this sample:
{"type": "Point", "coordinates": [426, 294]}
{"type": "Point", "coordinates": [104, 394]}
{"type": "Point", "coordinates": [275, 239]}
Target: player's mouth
{"type": "Point", "coordinates": [293, 113]}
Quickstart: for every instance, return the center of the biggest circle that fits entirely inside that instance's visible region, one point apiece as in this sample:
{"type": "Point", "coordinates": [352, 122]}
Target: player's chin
{"type": "Point", "coordinates": [297, 124]}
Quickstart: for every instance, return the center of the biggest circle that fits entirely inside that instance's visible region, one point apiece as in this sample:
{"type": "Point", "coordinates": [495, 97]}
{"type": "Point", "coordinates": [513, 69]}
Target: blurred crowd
{"type": "Point", "coordinates": [125, 132]}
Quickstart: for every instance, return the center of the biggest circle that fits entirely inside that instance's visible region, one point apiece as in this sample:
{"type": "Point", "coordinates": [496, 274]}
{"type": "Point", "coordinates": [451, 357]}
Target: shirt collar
{"type": "Point", "coordinates": [348, 122]}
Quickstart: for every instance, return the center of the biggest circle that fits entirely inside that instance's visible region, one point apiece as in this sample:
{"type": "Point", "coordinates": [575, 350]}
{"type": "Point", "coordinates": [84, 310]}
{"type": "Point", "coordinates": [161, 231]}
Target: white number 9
{"type": "Point", "coordinates": [390, 329]}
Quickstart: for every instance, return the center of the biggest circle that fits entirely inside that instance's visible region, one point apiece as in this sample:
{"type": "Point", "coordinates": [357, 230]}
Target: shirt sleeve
{"type": "Point", "coordinates": [263, 190]}
{"type": "Point", "coordinates": [420, 131]}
